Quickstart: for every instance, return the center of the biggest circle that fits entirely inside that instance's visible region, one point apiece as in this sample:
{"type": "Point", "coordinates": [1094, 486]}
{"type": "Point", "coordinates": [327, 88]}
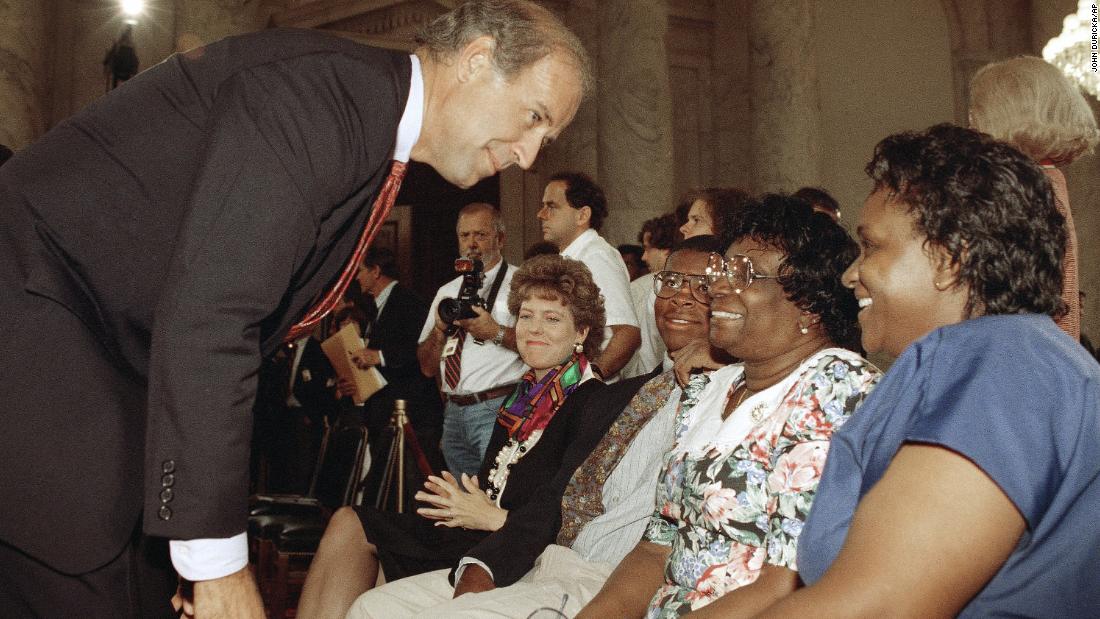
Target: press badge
{"type": "Point", "coordinates": [451, 346]}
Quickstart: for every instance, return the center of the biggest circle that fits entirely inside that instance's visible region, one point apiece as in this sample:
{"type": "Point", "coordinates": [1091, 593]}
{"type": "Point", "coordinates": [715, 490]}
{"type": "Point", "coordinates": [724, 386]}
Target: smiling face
{"type": "Point", "coordinates": [895, 279]}
{"type": "Point", "coordinates": [485, 123]}
{"type": "Point", "coordinates": [699, 220]}
{"type": "Point", "coordinates": [758, 324]}
{"type": "Point", "coordinates": [561, 223]}
{"type": "Point", "coordinates": [682, 318]}
{"type": "Point", "coordinates": [546, 333]}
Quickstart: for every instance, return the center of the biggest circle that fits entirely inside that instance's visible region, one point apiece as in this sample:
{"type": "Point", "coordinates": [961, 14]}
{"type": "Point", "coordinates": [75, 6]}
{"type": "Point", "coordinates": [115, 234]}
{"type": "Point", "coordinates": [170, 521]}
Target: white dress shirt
{"type": "Point", "coordinates": [207, 559]}
{"type": "Point", "coordinates": [610, 274]}
{"type": "Point", "coordinates": [486, 365]}
{"type": "Point", "coordinates": [630, 492]}
{"type": "Point", "coordinates": [652, 348]}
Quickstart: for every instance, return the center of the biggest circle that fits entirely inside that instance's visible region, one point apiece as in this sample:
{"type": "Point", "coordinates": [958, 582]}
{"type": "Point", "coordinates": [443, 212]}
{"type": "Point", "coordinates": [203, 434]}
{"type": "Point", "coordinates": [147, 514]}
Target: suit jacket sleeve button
{"type": "Point", "coordinates": [168, 480]}
{"type": "Point", "coordinates": [164, 513]}
{"type": "Point", "coordinates": [166, 495]}
{"type": "Point", "coordinates": [168, 466]}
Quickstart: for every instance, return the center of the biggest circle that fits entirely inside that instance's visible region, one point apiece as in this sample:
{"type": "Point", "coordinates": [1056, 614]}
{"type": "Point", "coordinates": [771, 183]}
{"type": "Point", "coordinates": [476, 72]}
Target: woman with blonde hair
{"type": "Point", "coordinates": [1031, 105]}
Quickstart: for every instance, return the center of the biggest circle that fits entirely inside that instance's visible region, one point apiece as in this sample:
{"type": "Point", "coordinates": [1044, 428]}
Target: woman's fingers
{"type": "Point", "coordinates": [434, 499]}
{"type": "Point", "coordinates": [434, 514]}
{"type": "Point", "coordinates": [470, 483]}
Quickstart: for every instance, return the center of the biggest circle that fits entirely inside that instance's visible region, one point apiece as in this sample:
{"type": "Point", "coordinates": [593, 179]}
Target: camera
{"type": "Point", "coordinates": [473, 276]}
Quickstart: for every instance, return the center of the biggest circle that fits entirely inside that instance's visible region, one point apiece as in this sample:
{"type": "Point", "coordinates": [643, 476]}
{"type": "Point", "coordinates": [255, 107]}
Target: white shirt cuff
{"type": "Point", "coordinates": [207, 559]}
{"type": "Point", "coordinates": [470, 561]}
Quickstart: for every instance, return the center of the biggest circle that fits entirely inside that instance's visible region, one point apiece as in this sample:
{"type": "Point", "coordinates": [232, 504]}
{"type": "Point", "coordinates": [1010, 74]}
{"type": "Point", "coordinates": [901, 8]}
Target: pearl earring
{"type": "Point", "coordinates": [578, 348]}
{"type": "Point", "coordinates": [804, 330]}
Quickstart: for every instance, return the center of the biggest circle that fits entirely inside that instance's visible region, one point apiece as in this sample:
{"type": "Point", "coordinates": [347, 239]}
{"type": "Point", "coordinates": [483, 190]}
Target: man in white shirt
{"type": "Point", "coordinates": [657, 237]}
{"type": "Point", "coordinates": [477, 375]}
{"type": "Point", "coordinates": [573, 209]}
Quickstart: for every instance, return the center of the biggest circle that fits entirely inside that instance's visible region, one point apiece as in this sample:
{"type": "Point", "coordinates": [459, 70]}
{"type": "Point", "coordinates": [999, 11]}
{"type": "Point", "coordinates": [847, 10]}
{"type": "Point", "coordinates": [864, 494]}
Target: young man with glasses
{"type": "Point", "coordinates": [657, 237]}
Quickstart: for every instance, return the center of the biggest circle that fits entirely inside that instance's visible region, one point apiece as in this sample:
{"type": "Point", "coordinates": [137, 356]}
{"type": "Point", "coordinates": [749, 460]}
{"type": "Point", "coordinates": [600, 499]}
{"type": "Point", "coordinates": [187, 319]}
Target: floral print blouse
{"type": "Point", "coordinates": [734, 492]}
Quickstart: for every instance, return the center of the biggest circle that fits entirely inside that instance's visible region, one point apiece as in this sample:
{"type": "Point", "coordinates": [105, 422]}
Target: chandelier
{"type": "Point", "coordinates": [1074, 50]}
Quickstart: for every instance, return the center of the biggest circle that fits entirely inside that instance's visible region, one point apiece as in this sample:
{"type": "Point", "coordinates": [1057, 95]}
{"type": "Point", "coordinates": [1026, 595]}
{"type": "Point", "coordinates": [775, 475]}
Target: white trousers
{"type": "Point", "coordinates": [558, 586]}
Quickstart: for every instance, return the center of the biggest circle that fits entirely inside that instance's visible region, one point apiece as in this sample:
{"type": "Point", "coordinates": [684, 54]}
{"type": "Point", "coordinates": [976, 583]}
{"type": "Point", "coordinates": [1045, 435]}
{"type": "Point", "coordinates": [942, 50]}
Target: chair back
{"type": "Point", "coordinates": [339, 469]}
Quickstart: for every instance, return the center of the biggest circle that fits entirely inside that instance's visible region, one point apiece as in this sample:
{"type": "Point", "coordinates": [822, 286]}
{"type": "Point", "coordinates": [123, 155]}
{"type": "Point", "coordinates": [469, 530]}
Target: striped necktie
{"type": "Point", "coordinates": [382, 206]}
{"type": "Point", "coordinates": [452, 363]}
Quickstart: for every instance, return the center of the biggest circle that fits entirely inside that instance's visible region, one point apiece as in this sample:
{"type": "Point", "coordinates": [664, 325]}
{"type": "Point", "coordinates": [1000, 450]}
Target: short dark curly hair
{"type": "Point", "coordinates": [582, 191]}
{"type": "Point", "coordinates": [555, 277]}
{"type": "Point", "coordinates": [725, 205]}
{"type": "Point", "coordinates": [663, 231]}
{"type": "Point", "coordinates": [817, 251]}
{"type": "Point", "coordinates": [989, 206]}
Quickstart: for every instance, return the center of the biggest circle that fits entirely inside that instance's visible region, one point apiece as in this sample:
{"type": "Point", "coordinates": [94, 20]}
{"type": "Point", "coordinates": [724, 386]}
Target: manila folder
{"type": "Point", "coordinates": [339, 348]}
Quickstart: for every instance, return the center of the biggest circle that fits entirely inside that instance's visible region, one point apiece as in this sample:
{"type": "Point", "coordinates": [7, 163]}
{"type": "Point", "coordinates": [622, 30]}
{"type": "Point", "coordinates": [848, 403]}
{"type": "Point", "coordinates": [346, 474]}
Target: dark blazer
{"type": "Point", "coordinates": [395, 334]}
{"type": "Point", "coordinates": [153, 247]}
{"type": "Point", "coordinates": [314, 383]}
{"type": "Point", "coordinates": [533, 524]}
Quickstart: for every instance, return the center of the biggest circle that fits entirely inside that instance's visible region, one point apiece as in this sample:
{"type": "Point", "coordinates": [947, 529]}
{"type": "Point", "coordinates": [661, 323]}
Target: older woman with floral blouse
{"type": "Point", "coordinates": [751, 444]}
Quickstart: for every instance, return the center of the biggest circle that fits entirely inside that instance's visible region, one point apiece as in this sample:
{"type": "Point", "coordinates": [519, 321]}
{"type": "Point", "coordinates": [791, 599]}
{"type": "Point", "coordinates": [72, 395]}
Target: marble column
{"type": "Point", "coordinates": [24, 26]}
{"type": "Point", "coordinates": [635, 115]}
{"type": "Point", "coordinates": [575, 148]}
{"type": "Point", "coordinates": [199, 22]}
{"type": "Point", "coordinates": [786, 113]}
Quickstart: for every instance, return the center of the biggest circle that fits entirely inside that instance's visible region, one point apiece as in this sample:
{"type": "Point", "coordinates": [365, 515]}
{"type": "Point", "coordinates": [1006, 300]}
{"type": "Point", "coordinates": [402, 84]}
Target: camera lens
{"type": "Point", "coordinates": [450, 310]}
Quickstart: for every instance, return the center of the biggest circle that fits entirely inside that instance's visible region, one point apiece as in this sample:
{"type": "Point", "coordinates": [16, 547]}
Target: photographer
{"type": "Point", "coordinates": [474, 358]}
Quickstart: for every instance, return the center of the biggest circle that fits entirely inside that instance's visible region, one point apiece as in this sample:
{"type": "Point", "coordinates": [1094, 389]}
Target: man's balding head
{"type": "Point", "coordinates": [480, 231]}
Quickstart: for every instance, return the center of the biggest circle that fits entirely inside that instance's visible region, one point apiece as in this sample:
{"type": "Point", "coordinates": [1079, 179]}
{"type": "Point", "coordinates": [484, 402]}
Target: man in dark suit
{"type": "Point", "coordinates": [154, 246]}
{"type": "Point", "coordinates": [391, 347]}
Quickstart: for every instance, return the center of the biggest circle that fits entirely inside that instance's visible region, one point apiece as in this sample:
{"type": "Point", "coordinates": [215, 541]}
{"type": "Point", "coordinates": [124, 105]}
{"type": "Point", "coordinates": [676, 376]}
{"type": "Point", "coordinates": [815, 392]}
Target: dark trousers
{"type": "Point", "coordinates": [138, 583]}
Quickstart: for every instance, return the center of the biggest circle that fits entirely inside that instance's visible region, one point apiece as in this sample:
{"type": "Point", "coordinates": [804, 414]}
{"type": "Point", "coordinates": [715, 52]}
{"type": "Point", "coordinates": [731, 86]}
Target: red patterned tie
{"type": "Point", "coordinates": [452, 363]}
{"type": "Point", "coordinates": [382, 206]}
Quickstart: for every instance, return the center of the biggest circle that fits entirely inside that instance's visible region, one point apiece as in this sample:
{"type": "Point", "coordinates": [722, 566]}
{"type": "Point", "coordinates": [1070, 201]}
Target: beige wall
{"type": "Point", "coordinates": [884, 67]}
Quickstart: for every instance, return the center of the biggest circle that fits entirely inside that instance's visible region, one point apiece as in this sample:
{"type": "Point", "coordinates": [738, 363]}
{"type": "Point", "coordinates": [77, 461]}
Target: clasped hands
{"type": "Point", "coordinates": [456, 505]}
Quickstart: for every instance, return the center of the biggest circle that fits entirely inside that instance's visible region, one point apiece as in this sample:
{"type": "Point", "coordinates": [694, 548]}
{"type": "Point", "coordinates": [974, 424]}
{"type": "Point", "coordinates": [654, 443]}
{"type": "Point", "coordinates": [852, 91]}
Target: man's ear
{"type": "Point", "coordinates": [477, 56]}
{"type": "Point", "coordinates": [583, 216]}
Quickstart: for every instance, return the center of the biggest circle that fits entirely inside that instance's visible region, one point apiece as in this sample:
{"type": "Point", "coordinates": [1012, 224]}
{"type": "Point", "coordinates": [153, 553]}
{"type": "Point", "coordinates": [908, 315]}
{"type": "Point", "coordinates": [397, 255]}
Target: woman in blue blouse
{"type": "Point", "coordinates": [969, 482]}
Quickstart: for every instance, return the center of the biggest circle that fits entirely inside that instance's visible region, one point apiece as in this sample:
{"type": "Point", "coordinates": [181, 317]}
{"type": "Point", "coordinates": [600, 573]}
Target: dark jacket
{"type": "Point", "coordinates": [532, 526]}
{"type": "Point", "coordinates": [165, 238]}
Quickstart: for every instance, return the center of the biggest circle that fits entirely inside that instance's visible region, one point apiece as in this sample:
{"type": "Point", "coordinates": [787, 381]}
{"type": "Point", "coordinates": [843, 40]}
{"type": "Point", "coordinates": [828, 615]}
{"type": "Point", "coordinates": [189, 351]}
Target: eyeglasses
{"type": "Point", "coordinates": [667, 284]}
{"type": "Point", "coordinates": [736, 269]}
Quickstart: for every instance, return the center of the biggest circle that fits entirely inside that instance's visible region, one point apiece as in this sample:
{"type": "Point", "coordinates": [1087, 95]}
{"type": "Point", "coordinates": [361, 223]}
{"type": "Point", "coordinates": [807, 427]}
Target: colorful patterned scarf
{"type": "Point", "coordinates": [533, 403]}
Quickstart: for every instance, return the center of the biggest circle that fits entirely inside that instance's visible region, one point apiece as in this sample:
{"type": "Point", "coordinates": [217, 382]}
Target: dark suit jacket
{"type": "Point", "coordinates": [161, 240]}
{"type": "Point", "coordinates": [395, 333]}
{"type": "Point", "coordinates": [533, 523]}
{"type": "Point", "coordinates": [314, 383]}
